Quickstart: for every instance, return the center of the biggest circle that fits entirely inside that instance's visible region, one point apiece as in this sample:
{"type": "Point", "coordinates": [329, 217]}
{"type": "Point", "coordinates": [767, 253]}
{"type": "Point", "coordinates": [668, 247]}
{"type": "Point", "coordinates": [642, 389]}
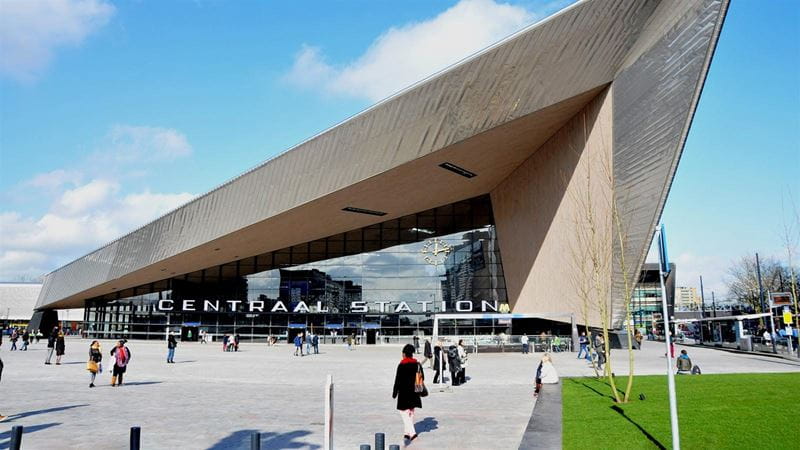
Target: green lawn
{"type": "Point", "coordinates": [736, 411]}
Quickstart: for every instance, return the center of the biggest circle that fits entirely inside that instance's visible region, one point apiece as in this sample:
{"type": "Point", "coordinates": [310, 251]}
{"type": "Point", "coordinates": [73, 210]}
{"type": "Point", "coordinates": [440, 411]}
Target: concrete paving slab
{"type": "Point", "coordinates": [214, 400]}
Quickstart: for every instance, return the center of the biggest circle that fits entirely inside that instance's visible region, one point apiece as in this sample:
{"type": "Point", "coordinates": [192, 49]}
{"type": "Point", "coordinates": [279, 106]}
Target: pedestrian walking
{"type": "Point", "coordinates": [439, 363]}
{"type": "Point", "coordinates": [408, 388]}
{"type": "Point", "coordinates": [14, 339]}
{"type": "Point", "coordinates": [225, 342]}
{"type": "Point", "coordinates": [51, 344]}
{"type": "Point", "coordinates": [61, 347]}
{"type": "Point", "coordinates": [308, 343]}
{"type": "Point", "coordinates": [26, 337]}
{"type": "Point", "coordinates": [462, 359]}
{"type": "Point", "coordinates": [172, 344]}
{"type": "Point", "coordinates": [236, 339]}
{"type": "Point", "coordinates": [600, 348]}
{"type": "Point", "coordinates": [455, 364]}
{"type": "Point", "coordinates": [94, 366]}
{"type": "Point", "coordinates": [298, 344]}
{"type": "Point", "coordinates": [38, 335]}
{"type": "Point", "coordinates": [524, 341]}
{"type": "Point", "coordinates": [427, 352]}
{"type": "Point", "coordinates": [122, 356]}
{"type": "Point", "coordinates": [2, 417]}
{"type": "Point", "coordinates": [315, 343]}
{"type": "Point", "coordinates": [349, 342]}
{"type": "Point", "coordinates": [416, 343]}
{"type": "Point", "coordinates": [583, 341]}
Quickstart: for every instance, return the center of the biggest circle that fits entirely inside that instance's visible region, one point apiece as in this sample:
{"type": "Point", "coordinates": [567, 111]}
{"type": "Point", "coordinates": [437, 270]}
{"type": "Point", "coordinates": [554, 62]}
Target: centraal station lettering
{"type": "Point", "coordinates": [260, 306]}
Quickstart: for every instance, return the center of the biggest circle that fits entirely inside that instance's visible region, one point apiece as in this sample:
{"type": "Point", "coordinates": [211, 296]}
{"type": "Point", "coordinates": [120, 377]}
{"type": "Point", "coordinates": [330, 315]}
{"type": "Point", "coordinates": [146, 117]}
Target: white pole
{"type": "Point", "coordinates": [673, 402]}
{"type": "Point", "coordinates": [328, 438]}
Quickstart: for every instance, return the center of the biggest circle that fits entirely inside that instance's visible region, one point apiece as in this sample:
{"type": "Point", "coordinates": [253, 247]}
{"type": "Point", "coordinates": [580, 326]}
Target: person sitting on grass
{"type": "Point", "coordinates": [684, 363]}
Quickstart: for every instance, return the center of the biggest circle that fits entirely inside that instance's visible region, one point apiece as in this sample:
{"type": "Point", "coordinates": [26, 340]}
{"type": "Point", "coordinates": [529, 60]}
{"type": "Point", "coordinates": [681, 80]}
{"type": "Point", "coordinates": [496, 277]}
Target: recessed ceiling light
{"type": "Point", "coordinates": [364, 211]}
{"type": "Point", "coordinates": [459, 170]}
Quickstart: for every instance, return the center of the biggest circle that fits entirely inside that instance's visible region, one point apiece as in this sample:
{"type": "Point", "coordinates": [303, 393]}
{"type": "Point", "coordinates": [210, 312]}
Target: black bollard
{"type": "Point", "coordinates": [380, 441]}
{"type": "Point", "coordinates": [136, 438]}
{"type": "Point", "coordinates": [394, 447]}
{"type": "Point", "coordinates": [364, 447]}
{"type": "Point", "coordinates": [255, 441]}
{"type": "Point", "coordinates": [16, 437]}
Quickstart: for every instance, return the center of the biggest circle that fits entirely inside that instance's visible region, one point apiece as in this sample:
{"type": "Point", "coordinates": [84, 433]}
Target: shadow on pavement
{"type": "Point", "coordinates": [140, 383]}
{"type": "Point", "coordinates": [241, 440]}
{"type": "Point", "coordinates": [186, 362]}
{"type": "Point", "coordinates": [14, 417]}
{"type": "Point", "coordinates": [426, 425]}
{"type": "Point", "coordinates": [5, 437]}
{"type": "Point", "coordinates": [649, 436]}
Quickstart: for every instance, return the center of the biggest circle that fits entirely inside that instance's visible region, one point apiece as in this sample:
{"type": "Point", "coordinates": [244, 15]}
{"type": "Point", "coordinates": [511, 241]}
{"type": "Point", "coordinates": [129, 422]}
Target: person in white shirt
{"type": "Point", "coordinates": [545, 373]}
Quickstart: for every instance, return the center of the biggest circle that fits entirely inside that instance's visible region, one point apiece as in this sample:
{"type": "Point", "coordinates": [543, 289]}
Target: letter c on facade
{"type": "Point", "coordinates": [161, 306]}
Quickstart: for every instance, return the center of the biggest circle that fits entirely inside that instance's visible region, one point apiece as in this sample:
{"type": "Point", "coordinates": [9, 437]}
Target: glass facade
{"type": "Point", "coordinates": [389, 278]}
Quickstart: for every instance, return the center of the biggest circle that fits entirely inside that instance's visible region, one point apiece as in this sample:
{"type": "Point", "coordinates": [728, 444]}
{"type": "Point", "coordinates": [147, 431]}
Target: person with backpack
{"type": "Point", "coordinates": [26, 337]}
{"type": "Point", "coordinates": [122, 356]}
{"type": "Point", "coordinates": [409, 386]}
{"type": "Point", "coordinates": [455, 365]}
{"type": "Point", "coordinates": [684, 363]}
{"type": "Point", "coordinates": [462, 359]}
{"type": "Point", "coordinates": [172, 344]}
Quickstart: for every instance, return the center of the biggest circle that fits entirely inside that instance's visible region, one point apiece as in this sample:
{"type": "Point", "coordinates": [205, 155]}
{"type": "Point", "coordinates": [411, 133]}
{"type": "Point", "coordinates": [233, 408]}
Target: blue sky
{"type": "Point", "coordinates": [113, 113]}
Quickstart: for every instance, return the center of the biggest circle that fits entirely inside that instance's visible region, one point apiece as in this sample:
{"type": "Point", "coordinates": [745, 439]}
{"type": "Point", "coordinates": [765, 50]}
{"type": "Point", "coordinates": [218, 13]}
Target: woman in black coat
{"type": "Point", "coordinates": [61, 347]}
{"type": "Point", "coordinates": [404, 390]}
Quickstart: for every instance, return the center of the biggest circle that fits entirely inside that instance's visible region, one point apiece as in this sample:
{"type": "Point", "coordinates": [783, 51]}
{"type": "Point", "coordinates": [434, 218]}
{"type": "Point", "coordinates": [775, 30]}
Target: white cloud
{"type": "Point", "coordinates": [689, 267]}
{"type": "Point", "coordinates": [83, 215]}
{"type": "Point", "coordinates": [128, 144]}
{"type": "Point", "coordinates": [55, 179]}
{"type": "Point", "coordinates": [20, 265]}
{"type": "Point", "coordinates": [88, 196]}
{"type": "Point", "coordinates": [404, 55]}
{"type": "Point", "coordinates": [31, 30]}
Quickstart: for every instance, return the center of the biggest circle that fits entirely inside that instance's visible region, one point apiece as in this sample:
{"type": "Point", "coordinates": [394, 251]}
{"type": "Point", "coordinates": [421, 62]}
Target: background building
{"type": "Point", "coordinates": [17, 302]}
{"type": "Point", "coordinates": [687, 299]}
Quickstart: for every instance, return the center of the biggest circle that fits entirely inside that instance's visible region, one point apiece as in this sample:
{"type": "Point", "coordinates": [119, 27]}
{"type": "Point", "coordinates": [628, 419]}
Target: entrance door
{"type": "Point", "coordinates": [371, 336]}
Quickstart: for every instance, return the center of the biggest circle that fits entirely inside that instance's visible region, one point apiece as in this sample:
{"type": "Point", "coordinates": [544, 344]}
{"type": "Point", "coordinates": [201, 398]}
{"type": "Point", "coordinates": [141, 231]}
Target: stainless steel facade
{"type": "Point", "coordinates": [654, 53]}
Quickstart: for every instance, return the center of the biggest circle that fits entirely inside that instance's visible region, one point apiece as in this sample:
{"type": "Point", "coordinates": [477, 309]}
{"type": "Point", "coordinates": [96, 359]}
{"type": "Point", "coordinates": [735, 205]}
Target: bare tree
{"type": "Point", "coordinates": [742, 279]}
{"type": "Point", "coordinates": [790, 235]}
{"type": "Point", "coordinates": [592, 246]}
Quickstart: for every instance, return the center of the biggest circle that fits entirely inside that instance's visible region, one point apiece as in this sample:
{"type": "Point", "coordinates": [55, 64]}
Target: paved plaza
{"type": "Point", "coordinates": [211, 399]}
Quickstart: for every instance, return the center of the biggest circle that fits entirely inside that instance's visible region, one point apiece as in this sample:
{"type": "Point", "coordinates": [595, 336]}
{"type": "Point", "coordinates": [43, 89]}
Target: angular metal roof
{"type": "Point", "coordinates": [487, 113]}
